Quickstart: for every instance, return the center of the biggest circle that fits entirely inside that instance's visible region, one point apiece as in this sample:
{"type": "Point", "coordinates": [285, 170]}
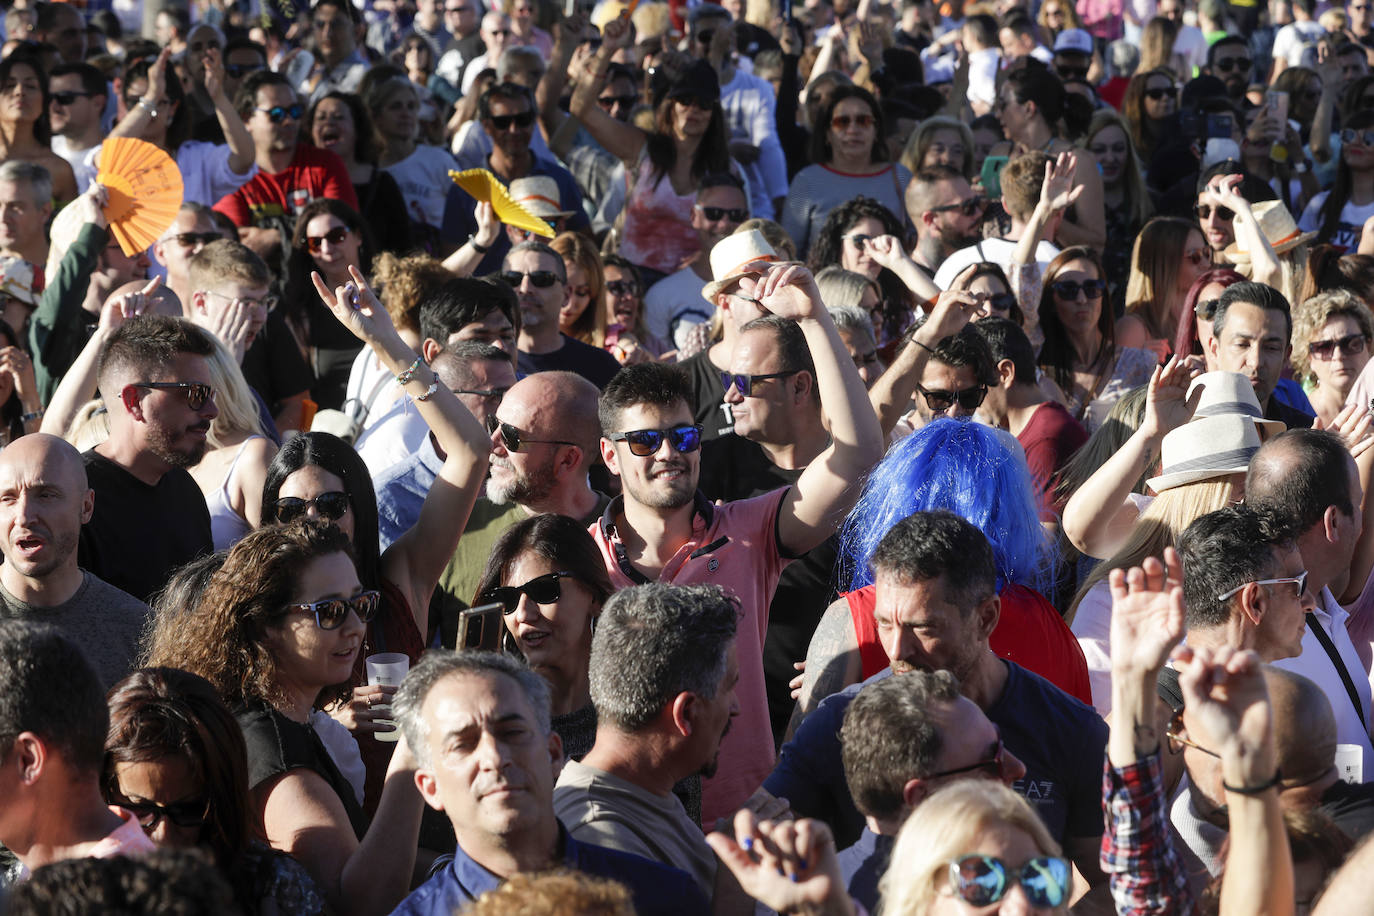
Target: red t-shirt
{"type": "Point", "coordinates": [312, 173]}
{"type": "Point", "coordinates": [1029, 632]}
{"type": "Point", "coordinates": [1051, 436]}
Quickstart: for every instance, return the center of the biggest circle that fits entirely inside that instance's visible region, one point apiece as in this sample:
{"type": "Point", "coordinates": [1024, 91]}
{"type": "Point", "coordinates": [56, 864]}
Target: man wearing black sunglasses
{"type": "Point", "coordinates": [53, 724]}
{"type": "Point", "coordinates": [76, 100]}
{"type": "Point", "coordinates": [191, 230]}
{"type": "Point", "coordinates": [945, 212]}
{"type": "Point", "coordinates": [539, 277]}
{"type": "Point", "coordinates": [662, 528]}
{"type": "Point", "coordinates": [1229, 60]}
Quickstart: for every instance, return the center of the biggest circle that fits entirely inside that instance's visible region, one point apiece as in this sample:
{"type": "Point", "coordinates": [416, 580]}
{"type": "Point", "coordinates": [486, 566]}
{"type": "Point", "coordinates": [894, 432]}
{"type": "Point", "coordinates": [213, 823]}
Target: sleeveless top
{"type": "Point", "coordinates": [658, 231]}
{"type": "Point", "coordinates": [1029, 632]}
{"type": "Point", "coordinates": [277, 745]}
{"type": "Point", "coordinates": [226, 525]}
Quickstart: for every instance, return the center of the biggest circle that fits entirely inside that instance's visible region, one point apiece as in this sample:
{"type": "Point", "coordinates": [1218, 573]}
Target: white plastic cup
{"type": "Point", "coordinates": [386, 669]}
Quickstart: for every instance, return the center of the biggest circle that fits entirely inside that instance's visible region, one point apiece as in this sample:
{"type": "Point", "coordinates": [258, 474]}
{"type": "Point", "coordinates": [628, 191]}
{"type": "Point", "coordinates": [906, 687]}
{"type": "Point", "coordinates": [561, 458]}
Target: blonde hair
{"type": "Point", "coordinates": [90, 426]}
{"type": "Point", "coordinates": [1160, 526]}
{"type": "Point", "coordinates": [913, 156]}
{"type": "Point", "coordinates": [238, 409]}
{"type": "Point", "coordinates": [842, 288]}
{"type": "Point", "coordinates": [1137, 194]}
{"type": "Point", "coordinates": [1292, 268]}
{"type": "Point", "coordinates": [576, 250]}
{"type": "Point", "coordinates": [1157, 46]}
{"type": "Point", "coordinates": [1311, 316]}
{"type": "Point", "coordinates": [945, 827]}
{"type": "Point", "coordinates": [555, 893]}
{"type": "Point", "coordinates": [1155, 261]}
{"type": "Point", "coordinates": [651, 20]}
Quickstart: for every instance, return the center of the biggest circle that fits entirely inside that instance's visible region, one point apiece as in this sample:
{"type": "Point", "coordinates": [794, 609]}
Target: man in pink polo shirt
{"type": "Point", "coordinates": [662, 529]}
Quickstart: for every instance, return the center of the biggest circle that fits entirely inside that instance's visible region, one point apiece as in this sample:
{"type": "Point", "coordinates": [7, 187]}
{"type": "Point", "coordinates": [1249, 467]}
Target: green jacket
{"type": "Point", "coordinates": [58, 327]}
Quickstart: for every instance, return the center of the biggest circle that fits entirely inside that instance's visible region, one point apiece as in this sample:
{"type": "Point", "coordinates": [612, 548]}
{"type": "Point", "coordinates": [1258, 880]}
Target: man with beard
{"type": "Point", "coordinates": [540, 279]}
{"type": "Point", "coordinates": [149, 517]}
{"type": "Point", "coordinates": [674, 304]}
{"type": "Point", "coordinates": [543, 443]}
{"type": "Point", "coordinates": [945, 212]}
{"type": "Point", "coordinates": [1229, 60]}
{"type": "Point", "coordinates": [661, 528]}
{"type": "Point", "coordinates": [663, 675]}
{"type": "Point", "coordinates": [478, 725]}
{"type": "Point", "coordinates": [44, 501]}
{"type": "Point", "coordinates": [936, 605]}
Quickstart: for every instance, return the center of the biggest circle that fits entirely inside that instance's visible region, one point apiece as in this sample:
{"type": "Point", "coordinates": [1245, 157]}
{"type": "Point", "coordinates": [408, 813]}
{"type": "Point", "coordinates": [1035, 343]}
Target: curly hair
{"type": "Point", "coordinates": [1313, 314]}
{"type": "Point", "coordinates": [224, 640]}
{"type": "Point", "coordinates": [168, 882]}
{"type": "Point", "coordinates": [828, 248]}
{"type": "Point", "coordinates": [403, 283]}
{"type": "Point", "coordinates": [555, 893]}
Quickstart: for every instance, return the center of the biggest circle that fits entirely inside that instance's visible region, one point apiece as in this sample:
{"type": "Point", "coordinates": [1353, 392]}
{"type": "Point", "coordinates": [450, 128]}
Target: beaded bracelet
{"type": "Point", "coordinates": [1254, 790]}
{"type": "Point", "coordinates": [429, 393]}
{"type": "Point", "coordinates": [405, 377]}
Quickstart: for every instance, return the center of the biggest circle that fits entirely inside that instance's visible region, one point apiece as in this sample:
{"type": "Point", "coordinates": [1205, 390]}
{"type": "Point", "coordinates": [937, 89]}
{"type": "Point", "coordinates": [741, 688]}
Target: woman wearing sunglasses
{"type": "Point", "coordinates": [277, 634]}
{"type": "Point", "coordinates": [850, 238]}
{"type": "Point", "coordinates": [1338, 215]}
{"type": "Point", "coordinates": [688, 142]}
{"type": "Point", "coordinates": [628, 339]}
{"type": "Point", "coordinates": [332, 238]}
{"type": "Point", "coordinates": [175, 757]}
{"type": "Point", "coordinates": [550, 580]}
{"type": "Point", "coordinates": [990, 286]}
{"type": "Point", "coordinates": [1194, 328]}
{"type": "Point", "coordinates": [317, 475]}
{"type": "Point", "coordinates": [579, 318]}
{"type": "Point", "coordinates": [1150, 100]}
{"type": "Point", "coordinates": [1168, 257]}
{"type": "Point", "coordinates": [158, 113]}
{"type": "Point", "coordinates": [1331, 336]}
{"type": "Point", "coordinates": [1080, 353]}
{"type": "Point", "coordinates": [849, 156]}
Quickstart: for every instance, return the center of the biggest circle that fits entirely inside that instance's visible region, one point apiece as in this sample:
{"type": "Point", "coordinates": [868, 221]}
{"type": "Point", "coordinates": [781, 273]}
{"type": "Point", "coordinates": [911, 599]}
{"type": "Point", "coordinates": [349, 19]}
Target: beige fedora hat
{"type": "Point", "coordinates": [737, 256]}
{"type": "Point", "coordinates": [1231, 393]}
{"type": "Point", "coordinates": [1278, 227]}
{"type": "Point", "coordinates": [539, 195]}
{"type": "Point", "coordinates": [1206, 448]}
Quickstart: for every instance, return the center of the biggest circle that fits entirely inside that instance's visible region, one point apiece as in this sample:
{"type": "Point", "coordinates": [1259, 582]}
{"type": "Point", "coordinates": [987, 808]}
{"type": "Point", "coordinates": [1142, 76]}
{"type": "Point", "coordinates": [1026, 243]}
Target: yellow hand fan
{"type": "Point", "coordinates": [485, 186]}
{"type": "Point", "coordinates": [144, 191]}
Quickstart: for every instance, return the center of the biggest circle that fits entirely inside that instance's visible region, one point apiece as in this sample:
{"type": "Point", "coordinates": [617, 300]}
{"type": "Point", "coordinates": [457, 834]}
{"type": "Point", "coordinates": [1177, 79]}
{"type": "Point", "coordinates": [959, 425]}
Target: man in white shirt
{"type": "Point", "coordinates": [1019, 38]}
{"type": "Point", "coordinates": [1190, 44]}
{"type": "Point", "coordinates": [495, 36]}
{"type": "Point", "coordinates": [77, 95]}
{"type": "Point", "coordinates": [1295, 45]}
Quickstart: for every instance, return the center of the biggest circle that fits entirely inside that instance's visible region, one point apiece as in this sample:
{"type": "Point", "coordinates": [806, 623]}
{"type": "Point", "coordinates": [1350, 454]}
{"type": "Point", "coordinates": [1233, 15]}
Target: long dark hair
{"type": "Point", "coordinates": [1057, 352]}
{"type": "Point", "coordinates": [364, 136]}
{"type": "Point", "coordinates": [828, 248]}
{"type": "Point", "coordinates": [42, 128]}
{"type": "Point", "coordinates": [1339, 195]}
{"type": "Point", "coordinates": [334, 455]}
{"type": "Point", "coordinates": [712, 155]}
{"type": "Point", "coordinates": [562, 541]}
{"type": "Point", "coordinates": [820, 136]}
{"type": "Point", "coordinates": [300, 301]}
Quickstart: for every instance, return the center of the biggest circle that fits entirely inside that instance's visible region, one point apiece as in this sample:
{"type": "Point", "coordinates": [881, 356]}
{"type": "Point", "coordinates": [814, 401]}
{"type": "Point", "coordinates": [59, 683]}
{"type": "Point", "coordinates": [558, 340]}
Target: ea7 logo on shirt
{"type": "Point", "coordinates": [1034, 790]}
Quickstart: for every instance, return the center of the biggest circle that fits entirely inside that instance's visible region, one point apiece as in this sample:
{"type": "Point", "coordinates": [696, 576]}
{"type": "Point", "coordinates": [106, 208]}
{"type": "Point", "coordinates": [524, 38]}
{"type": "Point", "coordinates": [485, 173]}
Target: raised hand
{"type": "Point", "coordinates": [789, 290]}
{"type": "Point", "coordinates": [214, 73]}
{"type": "Point", "coordinates": [615, 35]}
{"type": "Point", "coordinates": [117, 308]}
{"type": "Point", "coordinates": [1167, 403]}
{"type": "Point", "coordinates": [356, 307]}
{"type": "Point", "coordinates": [1226, 192]}
{"type": "Point", "coordinates": [16, 364]}
{"type": "Point", "coordinates": [1354, 424]}
{"type": "Point", "coordinates": [1057, 191]}
{"type": "Point", "coordinates": [231, 326]}
{"type": "Point", "coordinates": [157, 78]}
{"type": "Point", "coordinates": [91, 205]}
{"type": "Point", "coordinates": [488, 226]}
{"type": "Point", "coordinates": [953, 310]}
{"type": "Point", "coordinates": [789, 866]}
{"type": "Point", "coordinates": [1225, 695]}
{"type": "Point", "coordinates": [871, 43]}
{"type": "Point", "coordinates": [1147, 613]}
{"type": "Point", "coordinates": [887, 250]}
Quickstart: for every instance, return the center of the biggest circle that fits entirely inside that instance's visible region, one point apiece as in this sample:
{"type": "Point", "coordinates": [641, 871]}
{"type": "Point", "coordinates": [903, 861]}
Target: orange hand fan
{"type": "Point", "coordinates": [483, 185]}
{"type": "Point", "coordinates": [144, 191]}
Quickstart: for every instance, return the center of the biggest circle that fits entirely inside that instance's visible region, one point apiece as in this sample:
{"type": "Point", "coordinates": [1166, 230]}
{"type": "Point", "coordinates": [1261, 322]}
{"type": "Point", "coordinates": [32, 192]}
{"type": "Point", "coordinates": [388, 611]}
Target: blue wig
{"type": "Point", "coordinates": [969, 469]}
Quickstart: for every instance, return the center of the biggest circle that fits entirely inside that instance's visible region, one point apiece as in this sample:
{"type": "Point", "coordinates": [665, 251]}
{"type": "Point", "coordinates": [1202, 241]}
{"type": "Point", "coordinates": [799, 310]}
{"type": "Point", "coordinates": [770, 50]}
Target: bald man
{"type": "Point", "coordinates": [543, 445]}
{"type": "Point", "coordinates": [44, 501]}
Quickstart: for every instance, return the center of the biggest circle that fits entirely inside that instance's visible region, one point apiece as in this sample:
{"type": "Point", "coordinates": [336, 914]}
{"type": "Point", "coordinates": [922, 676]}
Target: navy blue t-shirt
{"type": "Point", "coordinates": [1060, 739]}
{"type": "Point", "coordinates": [592, 363]}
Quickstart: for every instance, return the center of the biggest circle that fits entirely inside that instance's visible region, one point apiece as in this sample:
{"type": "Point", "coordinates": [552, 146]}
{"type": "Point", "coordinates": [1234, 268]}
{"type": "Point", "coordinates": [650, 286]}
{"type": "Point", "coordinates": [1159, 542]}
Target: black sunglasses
{"type": "Point", "coordinates": [188, 814]}
{"type": "Point", "coordinates": [1158, 93]}
{"type": "Point", "coordinates": [331, 505]}
{"type": "Point", "coordinates": [999, 302]}
{"type": "Point", "coordinates": [610, 101]}
{"type": "Point", "coordinates": [938, 399]}
{"type": "Point", "coordinates": [645, 443]}
{"type": "Point", "coordinates": [717, 213]}
{"type": "Point", "coordinates": [197, 393]}
{"type": "Point", "coordinates": [238, 71]}
{"type": "Point", "coordinates": [992, 766]}
{"type": "Point", "coordinates": [513, 439]}
{"type": "Point", "coordinates": [504, 122]}
{"type": "Point", "coordinates": [541, 279]}
{"type": "Point", "coordinates": [315, 243]}
{"type": "Point", "coordinates": [1069, 289]}
{"type": "Point", "coordinates": [195, 239]}
{"type": "Point", "coordinates": [544, 589]}
{"type": "Point", "coordinates": [1227, 64]}
{"type": "Point", "coordinates": [279, 113]}
{"type": "Point", "coordinates": [1325, 349]}
{"type": "Point", "coordinates": [969, 207]}
{"type": "Point", "coordinates": [744, 384]}
{"type": "Point", "coordinates": [702, 100]}
{"type": "Point", "coordinates": [66, 98]}
{"type": "Point", "coordinates": [332, 612]}
{"type": "Point", "coordinates": [1204, 211]}
{"type": "Point", "coordinates": [1072, 73]}
{"type": "Point", "coordinates": [622, 288]}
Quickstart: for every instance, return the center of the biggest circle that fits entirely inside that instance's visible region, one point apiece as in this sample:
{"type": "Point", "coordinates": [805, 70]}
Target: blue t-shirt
{"type": "Point", "coordinates": [656, 888]}
{"type": "Point", "coordinates": [1061, 740]}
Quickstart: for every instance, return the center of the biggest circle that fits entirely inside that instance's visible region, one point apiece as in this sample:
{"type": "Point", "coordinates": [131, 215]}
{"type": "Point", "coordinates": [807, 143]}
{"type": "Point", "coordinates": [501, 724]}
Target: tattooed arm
{"type": "Point", "coordinates": [832, 662]}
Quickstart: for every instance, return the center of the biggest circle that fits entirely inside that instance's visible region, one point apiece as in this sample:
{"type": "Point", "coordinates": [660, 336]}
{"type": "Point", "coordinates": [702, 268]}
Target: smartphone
{"type": "Point", "coordinates": [992, 176]}
{"type": "Point", "coordinates": [1191, 124]}
{"type": "Point", "coordinates": [1277, 103]}
{"type": "Point", "coordinates": [480, 628]}
{"type": "Point", "coordinates": [1220, 125]}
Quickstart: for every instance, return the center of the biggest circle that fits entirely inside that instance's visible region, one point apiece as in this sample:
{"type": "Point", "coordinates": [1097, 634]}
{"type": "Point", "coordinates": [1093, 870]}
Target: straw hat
{"type": "Point", "coordinates": [1231, 393]}
{"type": "Point", "coordinates": [539, 195]}
{"type": "Point", "coordinates": [1278, 227]}
{"type": "Point", "coordinates": [736, 256]}
{"type": "Point", "coordinates": [1206, 448]}
{"type": "Point", "coordinates": [16, 280]}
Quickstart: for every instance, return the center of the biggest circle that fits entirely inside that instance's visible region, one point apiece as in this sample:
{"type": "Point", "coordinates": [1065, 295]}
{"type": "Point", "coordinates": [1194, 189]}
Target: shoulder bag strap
{"type": "Point", "coordinates": [1324, 638]}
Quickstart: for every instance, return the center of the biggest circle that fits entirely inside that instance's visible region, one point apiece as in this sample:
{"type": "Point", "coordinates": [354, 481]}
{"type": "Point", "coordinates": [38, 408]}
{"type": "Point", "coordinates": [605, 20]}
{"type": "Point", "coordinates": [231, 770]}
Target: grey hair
{"type": "Point", "coordinates": [840, 287]}
{"type": "Point", "coordinates": [38, 178]}
{"type": "Point", "coordinates": [436, 665]}
{"type": "Point", "coordinates": [542, 248]}
{"type": "Point", "coordinates": [515, 58]}
{"type": "Point", "coordinates": [655, 641]}
{"type": "Point", "coordinates": [454, 364]}
{"type": "Point", "coordinates": [855, 320]}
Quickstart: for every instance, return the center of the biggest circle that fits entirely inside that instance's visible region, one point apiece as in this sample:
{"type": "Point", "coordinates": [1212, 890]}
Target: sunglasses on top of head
{"type": "Point", "coordinates": [545, 589]}
{"type": "Point", "coordinates": [279, 113]}
{"type": "Point", "coordinates": [645, 443]}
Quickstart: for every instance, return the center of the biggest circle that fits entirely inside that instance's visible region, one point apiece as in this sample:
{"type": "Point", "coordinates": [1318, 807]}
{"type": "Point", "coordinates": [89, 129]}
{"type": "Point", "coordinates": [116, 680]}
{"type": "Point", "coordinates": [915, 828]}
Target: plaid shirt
{"type": "Point", "coordinates": [1147, 878]}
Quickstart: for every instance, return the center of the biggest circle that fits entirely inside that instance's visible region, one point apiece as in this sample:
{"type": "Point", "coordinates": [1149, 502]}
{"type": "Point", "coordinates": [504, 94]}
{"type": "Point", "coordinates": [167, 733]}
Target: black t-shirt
{"type": "Point", "coordinates": [708, 396]}
{"type": "Point", "coordinates": [592, 363]}
{"type": "Point", "coordinates": [1351, 808]}
{"type": "Point", "coordinates": [733, 467]}
{"type": "Point", "coordinates": [273, 365]}
{"type": "Point", "coordinates": [139, 535]}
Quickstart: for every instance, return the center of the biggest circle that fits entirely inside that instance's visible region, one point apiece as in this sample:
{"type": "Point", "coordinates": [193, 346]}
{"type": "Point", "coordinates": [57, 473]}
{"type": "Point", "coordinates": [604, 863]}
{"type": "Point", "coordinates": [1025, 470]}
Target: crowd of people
{"type": "Point", "coordinates": [868, 456]}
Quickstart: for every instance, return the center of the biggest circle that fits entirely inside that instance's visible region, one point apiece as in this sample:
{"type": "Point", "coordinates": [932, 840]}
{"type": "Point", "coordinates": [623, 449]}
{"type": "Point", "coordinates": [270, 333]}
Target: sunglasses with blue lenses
{"type": "Point", "coordinates": [645, 443]}
{"type": "Point", "coordinates": [981, 880]}
{"type": "Point", "coordinates": [744, 384]}
{"type": "Point", "coordinates": [278, 113]}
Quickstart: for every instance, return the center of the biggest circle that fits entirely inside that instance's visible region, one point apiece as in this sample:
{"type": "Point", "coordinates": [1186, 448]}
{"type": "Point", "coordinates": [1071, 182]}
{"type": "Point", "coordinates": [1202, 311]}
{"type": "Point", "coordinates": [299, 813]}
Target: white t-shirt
{"type": "Point", "coordinates": [1297, 43]}
{"type": "Point", "coordinates": [82, 161]}
{"type": "Point", "coordinates": [996, 251]}
{"type": "Point", "coordinates": [424, 181]}
{"type": "Point", "coordinates": [1191, 45]}
{"type": "Point", "coordinates": [1349, 227]}
{"type": "Point", "coordinates": [674, 304]}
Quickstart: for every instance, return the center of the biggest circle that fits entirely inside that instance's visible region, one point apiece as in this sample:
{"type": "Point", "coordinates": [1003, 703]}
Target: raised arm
{"type": "Point", "coordinates": [1098, 516]}
{"type": "Point", "coordinates": [624, 141]}
{"type": "Point", "coordinates": [1250, 237]}
{"type": "Point", "coordinates": [241, 151]}
{"type": "Point", "coordinates": [887, 250]}
{"type": "Point", "coordinates": [138, 116]}
{"type": "Point", "coordinates": [891, 393]}
{"type": "Point", "coordinates": [566, 37]}
{"type": "Point", "coordinates": [1057, 193]}
{"type": "Point", "coordinates": [1089, 225]}
{"type": "Point", "coordinates": [829, 486]}
{"type": "Point", "coordinates": [832, 661]}
{"type": "Point", "coordinates": [465, 259]}
{"type": "Point", "coordinates": [414, 562]}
